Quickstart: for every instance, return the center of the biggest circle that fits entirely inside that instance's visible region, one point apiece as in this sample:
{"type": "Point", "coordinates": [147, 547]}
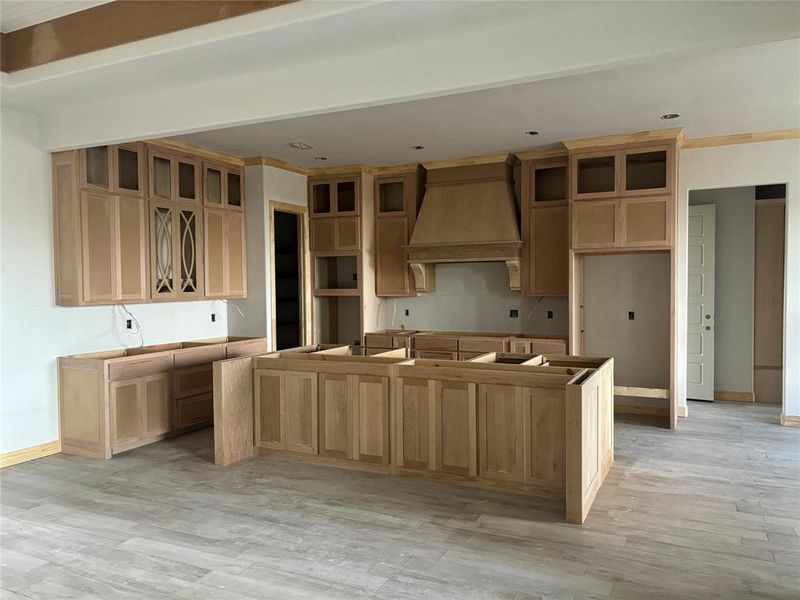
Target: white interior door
{"type": "Point", "coordinates": [700, 342]}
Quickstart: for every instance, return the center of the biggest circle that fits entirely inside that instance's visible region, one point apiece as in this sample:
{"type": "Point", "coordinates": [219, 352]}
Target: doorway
{"type": "Point", "coordinates": [289, 266]}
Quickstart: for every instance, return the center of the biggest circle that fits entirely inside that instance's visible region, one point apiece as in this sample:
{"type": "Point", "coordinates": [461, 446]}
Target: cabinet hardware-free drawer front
{"type": "Point", "coordinates": [191, 381]}
{"type": "Point", "coordinates": [239, 349]}
{"type": "Point", "coordinates": [436, 354]}
{"type": "Point", "coordinates": [549, 347]}
{"type": "Point", "coordinates": [374, 340]}
{"type": "Point", "coordinates": [441, 344]}
{"type": "Point", "coordinates": [198, 356]}
{"type": "Point", "coordinates": [140, 367]}
{"type": "Point", "coordinates": [482, 345]}
{"type": "Point", "coordinates": [194, 411]}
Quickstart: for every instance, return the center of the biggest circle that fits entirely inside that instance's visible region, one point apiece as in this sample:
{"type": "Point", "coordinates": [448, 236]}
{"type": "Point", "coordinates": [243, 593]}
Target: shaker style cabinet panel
{"type": "Point", "coordinates": [126, 424]}
{"type": "Point", "coordinates": [132, 248]}
{"type": "Point", "coordinates": [215, 252]}
{"type": "Point", "coordinates": [286, 410]}
{"type": "Point", "coordinates": [371, 404]}
{"type": "Point", "coordinates": [335, 422]}
{"type": "Point", "coordinates": [225, 268]}
{"type": "Point", "coordinates": [594, 224]}
{"type": "Point", "coordinates": [501, 427]}
{"type": "Point", "coordinates": [645, 221]}
{"type": "Point", "coordinates": [548, 248]}
{"type": "Point", "coordinates": [98, 237]}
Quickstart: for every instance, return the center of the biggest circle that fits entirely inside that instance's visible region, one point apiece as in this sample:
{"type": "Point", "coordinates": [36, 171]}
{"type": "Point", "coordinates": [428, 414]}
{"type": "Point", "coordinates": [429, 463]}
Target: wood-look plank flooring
{"type": "Point", "coordinates": [709, 511]}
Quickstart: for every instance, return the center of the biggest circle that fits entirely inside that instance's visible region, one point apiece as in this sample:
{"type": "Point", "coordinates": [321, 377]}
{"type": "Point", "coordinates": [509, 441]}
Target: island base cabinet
{"type": "Point", "coordinates": [436, 426]}
{"type": "Point", "coordinates": [335, 422]}
{"type": "Point", "coordinates": [286, 410]}
{"type": "Point", "coordinates": [501, 423]}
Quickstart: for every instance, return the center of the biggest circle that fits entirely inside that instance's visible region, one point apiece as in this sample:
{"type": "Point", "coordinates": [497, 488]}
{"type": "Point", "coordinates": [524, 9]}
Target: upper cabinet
{"type": "Point", "coordinates": [623, 197]}
{"type": "Point", "coordinates": [397, 201]}
{"type": "Point", "coordinates": [223, 186]}
{"type": "Point", "coordinates": [334, 197]}
{"type": "Point", "coordinates": [129, 225]}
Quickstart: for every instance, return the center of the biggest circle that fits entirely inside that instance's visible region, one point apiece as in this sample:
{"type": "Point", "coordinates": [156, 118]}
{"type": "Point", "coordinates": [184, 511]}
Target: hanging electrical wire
{"type": "Point", "coordinates": [135, 322]}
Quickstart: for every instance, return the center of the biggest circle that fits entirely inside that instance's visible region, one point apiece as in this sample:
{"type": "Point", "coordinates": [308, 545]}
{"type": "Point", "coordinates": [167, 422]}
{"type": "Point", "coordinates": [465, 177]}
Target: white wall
{"type": "Point", "coordinates": [262, 184]}
{"type": "Point", "coordinates": [737, 166]}
{"type": "Point", "coordinates": [475, 297]}
{"type": "Point", "coordinates": [733, 285]}
{"type": "Point", "coordinates": [33, 330]}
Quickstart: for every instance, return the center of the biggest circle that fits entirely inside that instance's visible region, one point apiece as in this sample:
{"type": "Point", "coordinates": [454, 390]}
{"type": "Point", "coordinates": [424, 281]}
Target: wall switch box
{"type": "Point", "coordinates": [408, 312]}
{"type": "Point", "coordinates": [631, 315]}
{"type": "Point", "coordinates": [549, 314]}
{"type": "Point", "coordinates": [513, 313]}
{"type": "Point", "coordinates": [213, 318]}
{"type": "Point", "coordinates": [128, 324]}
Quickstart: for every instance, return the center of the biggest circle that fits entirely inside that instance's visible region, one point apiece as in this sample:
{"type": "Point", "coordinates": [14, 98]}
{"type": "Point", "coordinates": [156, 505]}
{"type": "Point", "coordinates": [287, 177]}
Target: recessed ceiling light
{"type": "Point", "coordinates": [669, 116]}
{"type": "Point", "coordinates": [300, 146]}
{"type": "Point", "coordinates": [417, 148]}
{"type": "Point", "coordinates": [531, 132]}
{"type": "Point", "coordinates": [320, 158]}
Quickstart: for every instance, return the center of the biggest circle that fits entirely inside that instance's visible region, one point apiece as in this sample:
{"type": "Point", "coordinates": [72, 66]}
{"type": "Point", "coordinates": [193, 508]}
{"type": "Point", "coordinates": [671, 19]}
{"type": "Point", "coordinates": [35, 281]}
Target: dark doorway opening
{"type": "Point", "coordinates": [288, 279]}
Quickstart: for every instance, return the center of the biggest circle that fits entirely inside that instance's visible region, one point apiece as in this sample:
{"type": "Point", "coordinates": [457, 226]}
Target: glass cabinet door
{"type": "Point", "coordinates": [162, 235]}
{"type": "Point", "coordinates": [129, 170]}
{"type": "Point", "coordinates": [234, 197]}
{"type": "Point", "coordinates": [160, 177]}
{"type": "Point", "coordinates": [96, 167]}
{"type": "Point", "coordinates": [213, 186]}
{"type": "Point", "coordinates": [188, 187]}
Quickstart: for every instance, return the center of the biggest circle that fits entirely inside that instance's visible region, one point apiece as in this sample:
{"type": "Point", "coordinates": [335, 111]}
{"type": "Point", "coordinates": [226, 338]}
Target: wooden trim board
{"type": "Point", "coordinates": [790, 420]}
{"type": "Point", "coordinates": [32, 453]}
{"type": "Point", "coordinates": [641, 392]}
{"type": "Point", "coordinates": [742, 138]}
{"type": "Point", "coordinates": [726, 396]}
{"type": "Point", "coordinates": [682, 411]}
{"type": "Point", "coordinates": [113, 24]}
{"type": "Point", "coordinates": [638, 409]}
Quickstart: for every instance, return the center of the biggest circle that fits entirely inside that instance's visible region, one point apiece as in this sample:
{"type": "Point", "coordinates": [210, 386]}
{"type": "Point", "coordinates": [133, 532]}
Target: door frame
{"type": "Point", "coordinates": [306, 312]}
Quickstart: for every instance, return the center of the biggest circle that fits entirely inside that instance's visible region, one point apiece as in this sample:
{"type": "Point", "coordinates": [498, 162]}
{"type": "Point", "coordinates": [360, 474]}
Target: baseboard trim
{"type": "Point", "coordinates": [790, 420]}
{"type": "Point", "coordinates": [638, 409]}
{"type": "Point", "coordinates": [683, 411]}
{"type": "Point", "coordinates": [734, 396]}
{"type": "Point", "coordinates": [25, 454]}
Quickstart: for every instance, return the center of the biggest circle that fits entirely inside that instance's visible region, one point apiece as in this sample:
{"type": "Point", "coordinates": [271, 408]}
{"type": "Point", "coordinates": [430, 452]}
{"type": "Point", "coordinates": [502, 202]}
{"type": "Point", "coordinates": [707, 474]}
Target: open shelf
{"type": "Point", "coordinates": [390, 197]}
{"type": "Point", "coordinates": [335, 273]}
{"type": "Point", "coordinates": [550, 184]}
{"type": "Point", "coordinates": [597, 175]}
{"type": "Point", "coordinates": [338, 320]}
{"type": "Point", "coordinates": [646, 170]}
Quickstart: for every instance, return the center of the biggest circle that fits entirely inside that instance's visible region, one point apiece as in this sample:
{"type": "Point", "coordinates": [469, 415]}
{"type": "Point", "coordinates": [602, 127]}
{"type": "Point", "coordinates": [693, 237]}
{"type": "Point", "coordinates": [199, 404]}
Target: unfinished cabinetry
{"type": "Point", "coordinates": [176, 268]}
{"type": "Point", "coordinates": [286, 410]}
{"type": "Point", "coordinates": [223, 186]}
{"type": "Point", "coordinates": [545, 225]}
{"type": "Point", "coordinates": [224, 253]}
{"type": "Point", "coordinates": [397, 199]}
{"type": "Point", "coordinates": [100, 233]}
{"type": "Point", "coordinates": [173, 176]}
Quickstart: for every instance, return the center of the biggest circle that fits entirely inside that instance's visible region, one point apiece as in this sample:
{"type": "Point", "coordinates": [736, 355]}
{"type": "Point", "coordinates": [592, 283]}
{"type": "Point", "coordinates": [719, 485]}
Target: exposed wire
{"type": "Point", "coordinates": [239, 310]}
{"type": "Point", "coordinates": [135, 322]}
{"type": "Point", "coordinates": [536, 307]}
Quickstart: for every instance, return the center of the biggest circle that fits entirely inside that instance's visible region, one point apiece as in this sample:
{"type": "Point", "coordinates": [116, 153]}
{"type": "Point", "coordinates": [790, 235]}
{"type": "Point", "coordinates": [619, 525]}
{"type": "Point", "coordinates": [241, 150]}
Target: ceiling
{"type": "Point", "coordinates": [754, 88]}
{"type": "Point", "coordinates": [18, 14]}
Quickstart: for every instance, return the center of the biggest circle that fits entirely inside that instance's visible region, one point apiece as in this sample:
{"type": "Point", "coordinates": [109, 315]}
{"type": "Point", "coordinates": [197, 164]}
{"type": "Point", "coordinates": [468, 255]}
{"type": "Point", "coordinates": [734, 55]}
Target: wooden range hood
{"type": "Point", "coordinates": [469, 214]}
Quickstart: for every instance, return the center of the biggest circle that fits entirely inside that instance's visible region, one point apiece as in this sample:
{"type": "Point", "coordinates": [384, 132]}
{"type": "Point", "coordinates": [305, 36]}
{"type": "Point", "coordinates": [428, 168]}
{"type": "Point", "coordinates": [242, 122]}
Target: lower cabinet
{"type": "Point", "coordinates": [139, 410]}
{"type": "Point", "coordinates": [335, 421]}
{"type": "Point", "coordinates": [501, 423]}
{"type": "Point", "coordinates": [286, 410]}
{"type": "Point", "coordinates": [194, 412]}
{"type": "Point", "coordinates": [436, 426]}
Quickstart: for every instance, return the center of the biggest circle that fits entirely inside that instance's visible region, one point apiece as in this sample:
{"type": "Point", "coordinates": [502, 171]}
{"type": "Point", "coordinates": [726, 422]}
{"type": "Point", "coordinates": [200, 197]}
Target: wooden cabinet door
{"type": "Point", "coordinates": [155, 405]}
{"type": "Point", "coordinates": [335, 424]}
{"type": "Point", "coordinates": [594, 224]}
{"type": "Point", "coordinates": [197, 411]}
{"type": "Point", "coordinates": [371, 404]}
{"type": "Point", "coordinates": [125, 400]}
{"type": "Point", "coordinates": [269, 409]}
{"type": "Point", "coordinates": [545, 346]}
{"type": "Point", "coordinates": [96, 168]}
{"type": "Point", "coordinates": [163, 267]}
{"type": "Point", "coordinates": [392, 276]}
{"type": "Point", "coordinates": [99, 246]}
{"type": "Point", "coordinates": [415, 423]}
{"type": "Point", "coordinates": [645, 221]}
{"type": "Point", "coordinates": [547, 460]}
{"type": "Point", "coordinates": [300, 391]}
{"type": "Point", "coordinates": [457, 422]}
{"type": "Point", "coordinates": [215, 255]}
{"type": "Point", "coordinates": [549, 249]}
{"type": "Point", "coordinates": [322, 234]}
{"type": "Point", "coordinates": [132, 248]}
{"type": "Point", "coordinates": [188, 251]}
{"type": "Point", "coordinates": [347, 233]}
{"type": "Point", "coordinates": [128, 165]}
{"type": "Point", "coordinates": [501, 423]}
{"type": "Point", "coordinates": [236, 254]}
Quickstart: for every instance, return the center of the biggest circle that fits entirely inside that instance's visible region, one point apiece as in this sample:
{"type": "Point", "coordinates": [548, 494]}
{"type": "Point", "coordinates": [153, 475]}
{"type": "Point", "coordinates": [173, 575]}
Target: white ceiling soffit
{"type": "Point", "coordinates": [18, 14]}
{"type": "Point", "coordinates": [316, 57]}
{"type": "Point", "coordinates": [754, 88]}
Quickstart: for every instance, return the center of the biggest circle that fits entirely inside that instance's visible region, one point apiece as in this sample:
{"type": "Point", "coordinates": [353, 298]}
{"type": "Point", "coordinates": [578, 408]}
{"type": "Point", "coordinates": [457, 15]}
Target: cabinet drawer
{"type": "Point", "coordinates": [549, 347]}
{"type": "Point", "coordinates": [435, 354]}
{"type": "Point", "coordinates": [193, 411]}
{"type": "Point", "coordinates": [520, 346]}
{"type": "Point", "coordinates": [482, 345]}
{"type": "Point", "coordinates": [378, 340]}
{"type": "Point", "coordinates": [191, 381]}
{"type": "Point", "coordinates": [429, 342]}
{"type": "Point", "coordinates": [198, 356]}
{"type": "Point", "coordinates": [140, 367]}
{"type": "Point", "coordinates": [250, 348]}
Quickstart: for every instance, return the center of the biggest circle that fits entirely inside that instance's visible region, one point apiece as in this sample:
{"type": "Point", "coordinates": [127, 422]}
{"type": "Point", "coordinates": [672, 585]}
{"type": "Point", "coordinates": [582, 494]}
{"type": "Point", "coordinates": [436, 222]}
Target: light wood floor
{"type": "Point", "coordinates": [710, 511]}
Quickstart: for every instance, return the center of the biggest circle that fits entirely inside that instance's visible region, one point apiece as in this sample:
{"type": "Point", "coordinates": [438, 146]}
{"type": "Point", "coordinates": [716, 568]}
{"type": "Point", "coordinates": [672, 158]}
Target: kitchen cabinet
{"type": "Point", "coordinates": [223, 186]}
{"type": "Point", "coordinates": [645, 221]}
{"type": "Point", "coordinates": [128, 226]}
{"type": "Point", "coordinates": [594, 224]}
{"type": "Point", "coordinates": [286, 411]}
{"type": "Point", "coordinates": [224, 253]}
{"type": "Point", "coordinates": [398, 197]}
{"type": "Point", "coordinates": [501, 427]}
{"type": "Point", "coordinates": [335, 422]}
{"type": "Point", "coordinates": [334, 196]}
{"type": "Point", "coordinates": [116, 400]}
{"type": "Point", "coordinates": [545, 227]}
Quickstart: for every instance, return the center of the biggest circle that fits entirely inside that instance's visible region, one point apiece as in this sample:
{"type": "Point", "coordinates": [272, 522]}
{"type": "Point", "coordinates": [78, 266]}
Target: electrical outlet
{"type": "Point", "coordinates": [408, 312]}
{"type": "Point", "coordinates": [355, 276]}
{"type": "Point", "coordinates": [129, 324]}
{"type": "Point", "coordinates": [631, 315]}
{"type": "Point", "coordinates": [513, 313]}
{"type": "Point", "coordinates": [213, 317]}
{"type": "Point", "coordinates": [549, 314]}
